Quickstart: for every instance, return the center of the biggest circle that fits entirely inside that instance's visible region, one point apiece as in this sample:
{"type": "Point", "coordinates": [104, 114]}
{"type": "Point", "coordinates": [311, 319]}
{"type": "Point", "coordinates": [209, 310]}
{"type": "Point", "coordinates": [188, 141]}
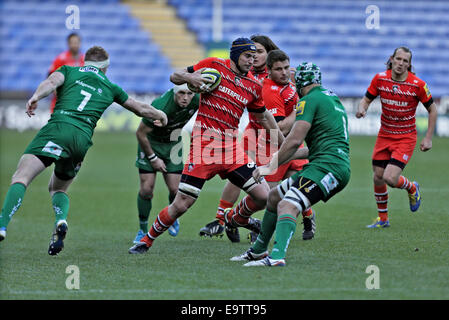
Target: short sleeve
{"type": "Point", "coordinates": [120, 96]}
{"type": "Point", "coordinates": [372, 91]}
{"type": "Point", "coordinates": [273, 101]}
{"type": "Point", "coordinates": [424, 95]}
{"type": "Point", "coordinates": [205, 63]}
{"type": "Point", "coordinates": [305, 110]}
{"type": "Point", "coordinates": [63, 69]}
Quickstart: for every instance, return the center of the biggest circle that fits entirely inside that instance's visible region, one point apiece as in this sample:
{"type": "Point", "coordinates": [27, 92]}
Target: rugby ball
{"type": "Point", "coordinates": [211, 74]}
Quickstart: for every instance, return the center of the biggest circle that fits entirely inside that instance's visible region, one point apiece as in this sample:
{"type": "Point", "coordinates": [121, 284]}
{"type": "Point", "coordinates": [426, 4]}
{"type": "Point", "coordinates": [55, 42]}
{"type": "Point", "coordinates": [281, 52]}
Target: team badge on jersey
{"type": "Point", "coordinates": [237, 80]}
{"type": "Point", "coordinates": [395, 89]}
{"type": "Point", "coordinates": [300, 107]}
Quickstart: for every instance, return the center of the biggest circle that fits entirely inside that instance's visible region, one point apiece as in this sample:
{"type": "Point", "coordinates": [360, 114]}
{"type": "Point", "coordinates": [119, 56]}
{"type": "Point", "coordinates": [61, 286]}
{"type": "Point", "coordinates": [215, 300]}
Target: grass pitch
{"type": "Point", "coordinates": [412, 255]}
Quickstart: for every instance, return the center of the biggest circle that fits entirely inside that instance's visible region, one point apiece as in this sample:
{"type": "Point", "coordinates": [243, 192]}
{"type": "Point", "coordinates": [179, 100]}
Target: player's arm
{"type": "Point", "coordinates": [146, 111]}
{"type": "Point", "coordinates": [190, 76]}
{"type": "Point", "coordinates": [44, 89]}
{"type": "Point", "coordinates": [363, 107]}
{"type": "Point", "coordinates": [426, 142]}
{"type": "Point", "coordinates": [268, 122]}
{"type": "Point", "coordinates": [286, 124]}
{"type": "Point", "coordinates": [142, 137]}
{"type": "Point", "coordinates": [288, 149]}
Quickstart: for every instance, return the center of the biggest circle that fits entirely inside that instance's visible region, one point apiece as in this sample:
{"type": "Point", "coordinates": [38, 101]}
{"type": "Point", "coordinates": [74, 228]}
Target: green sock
{"type": "Point", "coordinates": [144, 209]}
{"type": "Point", "coordinates": [60, 202]}
{"type": "Point", "coordinates": [285, 228]}
{"type": "Point", "coordinates": [268, 226]}
{"type": "Point", "coordinates": [171, 197]}
{"type": "Point", "coordinates": [12, 203]}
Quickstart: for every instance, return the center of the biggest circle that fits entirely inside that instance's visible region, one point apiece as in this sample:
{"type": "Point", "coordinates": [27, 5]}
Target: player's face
{"type": "Point", "coordinates": [280, 72]}
{"type": "Point", "coordinates": [246, 61]}
{"type": "Point", "coordinates": [261, 56]}
{"type": "Point", "coordinates": [74, 44]}
{"type": "Point", "coordinates": [400, 62]}
{"type": "Point", "coordinates": [183, 98]}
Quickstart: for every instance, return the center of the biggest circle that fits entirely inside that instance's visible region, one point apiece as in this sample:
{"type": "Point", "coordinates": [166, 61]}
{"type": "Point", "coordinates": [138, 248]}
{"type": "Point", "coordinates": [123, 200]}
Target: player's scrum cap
{"type": "Point", "coordinates": [182, 87]}
{"type": "Point", "coordinates": [239, 46]}
{"type": "Point", "coordinates": [307, 73]}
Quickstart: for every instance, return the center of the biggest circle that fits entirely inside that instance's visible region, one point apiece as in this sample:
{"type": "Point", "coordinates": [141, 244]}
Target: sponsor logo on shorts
{"type": "Point", "coordinates": [53, 148]}
{"type": "Point", "coordinates": [405, 157]}
{"type": "Point", "coordinates": [190, 167]}
{"type": "Point", "coordinates": [329, 182]}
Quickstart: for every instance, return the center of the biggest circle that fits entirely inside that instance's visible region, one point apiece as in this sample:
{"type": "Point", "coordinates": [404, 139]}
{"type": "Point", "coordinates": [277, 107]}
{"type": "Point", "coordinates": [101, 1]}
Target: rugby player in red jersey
{"type": "Point", "coordinates": [214, 148]}
{"type": "Point", "coordinates": [400, 91]}
{"type": "Point", "coordinates": [231, 192]}
{"type": "Point", "coordinates": [72, 57]}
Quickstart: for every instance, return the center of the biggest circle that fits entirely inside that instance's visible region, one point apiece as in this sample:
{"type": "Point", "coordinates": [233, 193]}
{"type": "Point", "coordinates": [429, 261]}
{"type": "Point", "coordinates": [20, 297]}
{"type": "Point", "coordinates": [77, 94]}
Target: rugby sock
{"type": "Point", "coordinates": [12, 202]}
{"type": "Point", "coordinates": [61, 203]}
{"type": "Point", "coordinates": [404, 183]}
{"type": "Point", "coordinates": [144, 208]}
{"type": "Point", "coordinates": [266, 232]}
{"type": "Point", "coordinates": [160, 225]}
{"type": "Point", "coordinates": [171, 197]}
{"type": "Point", "coordinates": [285, 229]}
{"type": "Point", "coordinates": [381, 195]}
{"type": "Point", "coordinates": [220, 211]}
{"type": "Point", "coordinates": [246, 207]}
{"type": "Point", "coordinates": [307, 213]}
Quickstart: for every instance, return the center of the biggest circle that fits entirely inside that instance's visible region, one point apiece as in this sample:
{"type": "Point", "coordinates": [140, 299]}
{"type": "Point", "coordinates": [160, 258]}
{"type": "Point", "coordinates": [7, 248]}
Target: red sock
{"type": "Point", "coordinates": [160, 225]}
{"type": "Point", "coordinates": [381, 195]}
{"type": "Point", "coordinates": [220, 211]}
{"type": "Point", "coordinates": [307, 213]}
{"type": "Point", "coordinates": [404, 183]}
{"type": "Point", "coordinates": [240, 215]}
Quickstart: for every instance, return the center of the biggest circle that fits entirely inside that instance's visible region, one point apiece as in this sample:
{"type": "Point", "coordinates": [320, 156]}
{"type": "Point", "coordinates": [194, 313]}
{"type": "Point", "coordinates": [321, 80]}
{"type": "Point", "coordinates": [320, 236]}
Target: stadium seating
{"type": "Point", "coordinates": [334, 35]}
{"type": "Point", "coordinates": [34, 32]}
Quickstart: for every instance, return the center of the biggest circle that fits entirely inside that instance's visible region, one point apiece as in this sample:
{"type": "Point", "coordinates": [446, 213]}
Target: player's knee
{"type": "Point", "coordinates": [285, 207]}
{"type": "Point", "coordinates": [390, 179]}
{"type": "Point", "coordinates": [146, 192]}
{"type": "Point", "coordinates": [273, 198]}
{"type": "Point", "coordinates": [181, 204]}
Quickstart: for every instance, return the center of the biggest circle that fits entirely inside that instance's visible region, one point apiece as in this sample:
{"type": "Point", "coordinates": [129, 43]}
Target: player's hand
{"type": "Point", "coordinates": [159, 165]}
{"type": "Point", "coordinates": [425, 145]}
{"type": "Point", "coordinates": [197, 81]}
{"type": "Point", "coordinates": [162, 120]}
{"type": "Point", "coordinates": [31, 106]}
{"type": "Point", "coordinates": [361, 113]}
{"type": "Point", "coordinates": [261, 172]}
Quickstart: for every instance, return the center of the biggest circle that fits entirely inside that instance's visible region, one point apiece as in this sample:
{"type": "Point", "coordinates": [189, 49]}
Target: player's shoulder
{"type": "Point", "coordinates": [386, 74]}
{"type": "Point", "coordinates": [413, 78]}
{"type": "Point", "coordinates": [249, 77]}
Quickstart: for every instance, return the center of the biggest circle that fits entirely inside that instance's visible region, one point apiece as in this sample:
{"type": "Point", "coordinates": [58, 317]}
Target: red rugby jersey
{"type": "Point", "coordinates": [260, 76]}
{"type": "Point", "coordinates": [399, 102]}
{"type": "Point", "coordinates": [221, 109]}
{"type": "Point", "coordinates": [280, 100]}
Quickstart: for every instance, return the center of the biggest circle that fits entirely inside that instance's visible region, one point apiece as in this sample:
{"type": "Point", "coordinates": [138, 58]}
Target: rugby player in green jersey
{"type": "Point", "coordinates": [160, 149]}
{"type": "Point", "coordinates": [321, 122]}
{"type": "Point", "coordinates": [83, 94]}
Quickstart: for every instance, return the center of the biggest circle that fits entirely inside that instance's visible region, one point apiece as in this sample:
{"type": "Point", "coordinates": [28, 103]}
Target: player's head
{"type": "Point", "coordinates": [183, 96]}
{"type": "Point", "coordinates": [242, 54]}
{"type": "Point", "coordinates": [307, 74]}
{"type": "Point", "coordinates": [74, 43]}
{"type": "Point", "coordinates": [401, 61]}
{"type": "Point", "coordinates": [98, 57]}
{"type": "Point", "coordinates": [278, 64]}
{"type": "Point", "coordinates": [263, 46]}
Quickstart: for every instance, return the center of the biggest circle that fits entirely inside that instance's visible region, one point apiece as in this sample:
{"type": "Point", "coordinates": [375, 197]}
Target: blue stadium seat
{"type": "Point", "coordinates": [334, 35]}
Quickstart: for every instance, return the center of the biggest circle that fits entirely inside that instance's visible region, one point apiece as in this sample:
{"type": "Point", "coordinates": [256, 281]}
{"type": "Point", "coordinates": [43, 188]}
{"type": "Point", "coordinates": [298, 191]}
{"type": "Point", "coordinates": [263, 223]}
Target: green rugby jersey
{"type": "Point", "coordinates": [83, 97]}
{"type": "Point", "coordinates": [177, 116]}
{"type": "Point", "coordinates": [327, 139]}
